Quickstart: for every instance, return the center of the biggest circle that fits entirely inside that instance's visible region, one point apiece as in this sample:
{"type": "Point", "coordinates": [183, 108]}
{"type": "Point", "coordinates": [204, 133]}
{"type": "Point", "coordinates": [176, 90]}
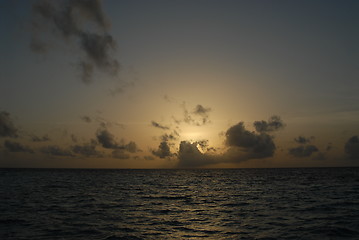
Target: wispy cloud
{"type": "Point", "coordinates": [12, 146]}
{"type": "Point", "coordinates": [158, 125]}
{"type": "Point", "coordinates": [69, 21]}
{"type": "Point", "coordinates": [351, 147]}
{"type": "Point", "coordinates": [7, 127]}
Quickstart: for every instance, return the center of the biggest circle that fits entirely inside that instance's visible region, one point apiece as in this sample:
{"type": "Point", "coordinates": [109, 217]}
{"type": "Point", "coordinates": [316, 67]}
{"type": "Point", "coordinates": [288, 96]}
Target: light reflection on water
{"type": "Point", "coordinates": [182, 204]}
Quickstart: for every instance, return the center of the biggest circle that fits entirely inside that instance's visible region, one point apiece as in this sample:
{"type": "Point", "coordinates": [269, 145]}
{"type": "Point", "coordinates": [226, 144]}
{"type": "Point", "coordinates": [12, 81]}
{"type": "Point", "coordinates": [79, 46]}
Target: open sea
{"type": "Point", "coordinates": [302, 203]}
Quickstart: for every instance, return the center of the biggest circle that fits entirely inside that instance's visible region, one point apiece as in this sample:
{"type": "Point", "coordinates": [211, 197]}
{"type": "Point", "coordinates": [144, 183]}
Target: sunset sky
{"type": "Point", "coordinates": [166, 84]}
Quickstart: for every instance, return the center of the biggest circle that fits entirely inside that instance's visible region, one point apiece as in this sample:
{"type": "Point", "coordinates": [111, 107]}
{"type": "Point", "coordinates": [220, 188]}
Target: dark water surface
{"type": "Point", "coordinates": [312, 203]}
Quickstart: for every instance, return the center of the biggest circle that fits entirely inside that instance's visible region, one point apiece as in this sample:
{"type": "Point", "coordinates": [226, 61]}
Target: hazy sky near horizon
{"type": "Point", "coordinates": [162, 84]}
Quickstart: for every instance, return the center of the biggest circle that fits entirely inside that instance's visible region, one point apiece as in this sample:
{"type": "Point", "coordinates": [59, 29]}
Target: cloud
{"type": "Point", "coordinates": [120, 151]}
{"type": "Point", "coordinates": [170, 137]}
{"type": "Point", "coordinates": [203, 144]}
{"type": "Point", "coordinates": [7, 128]}
{"type": "Point", "coordinates": [302, 140]}
{"type": "Point", "coordinates": [157, 125]}
{"type": "Point", "coordinates": [56, 151]}
{"type": "Point", "coordinates": [274, 123]}
{"type": "Point", "coordinates": [72, 21]}
{"type": "Point", "coordinates": [16, 147]}
{"type": "Point", "coordinates": [86, 119]}
{"type": "Point", "coordinates": [163, 150]}
{"type": "Point", "coordinates": [190, 156]}
{"type": "Point", "coordinates": [259, 145]}
{"type": "Point", "coordinates": [131, 147]}
{"type": "Point", "coordinates": [104, 123]}
{"type": "Point", "coordinates": [241, 145]}
{"type": "Point", "coordinates": [200, 110]}
{"type": "Point", "coordinates": [351, 147]}
{"type": "Point", "coordinates": [87, 149]}
{"type": "Point", "coordinates": [198, 116]}
{"type": "Point", "coordinates": [106, 139]}
{"type": "Point", "coordinates": [303, 151]}
{"type": "Point", "coordinates": [44, 138]}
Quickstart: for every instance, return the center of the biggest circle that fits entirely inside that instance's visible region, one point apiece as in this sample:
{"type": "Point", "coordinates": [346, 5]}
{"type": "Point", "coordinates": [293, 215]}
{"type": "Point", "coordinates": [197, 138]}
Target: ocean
{"type": "Point", "coordinates": [296, 203]}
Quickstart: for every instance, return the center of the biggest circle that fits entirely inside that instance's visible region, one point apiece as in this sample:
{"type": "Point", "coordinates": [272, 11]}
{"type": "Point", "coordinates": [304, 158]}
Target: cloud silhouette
{"type": "Point", "coordinates": [131, 147]}
{"type": "Point", "coordinates": [259, 145]}
{"type": "Point", "coordinates": [56, 151]}
{"type": "Point", "coordinates": [163, 150]}
{"type": "Point", "coordinates": [16, 147]}
{"type": "Point", "coordinates": [302, 140]}
{"type": "Point", "coordinates": [7, 127]}
{"type": "Point", "coordinates": [44, 138]}
{"type": "Point", "coordinates": [170, 137]}
{"type": "Point", "coordinates": [189, 156]}
{"type": "Point", "coordinates": [70, 21]}
{"type": "Point", "coordinates": [241, 145]}
{"type": "Point", "coordinates": [86, 119]}
{"type": "Point", "coordinates": [351, 147]}
{"type": "Point", "coordinates": [274, 123]}
{"type": "Point", "coordinates": [198, 116]}
{"type": "Point", "coordinates": [106, 139]}
{"type": "Point", "coordinates": [157, 125]}
{"type": "Point", "coordinates": [120, 151]}
{"type": "Point", "coordinates": [87, 149]}
{"type": "Point", "coordinates": [303, 151]}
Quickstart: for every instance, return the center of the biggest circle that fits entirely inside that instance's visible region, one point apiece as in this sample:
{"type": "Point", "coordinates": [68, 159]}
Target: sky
{"type": "Point", "coordinates": [179, 84]}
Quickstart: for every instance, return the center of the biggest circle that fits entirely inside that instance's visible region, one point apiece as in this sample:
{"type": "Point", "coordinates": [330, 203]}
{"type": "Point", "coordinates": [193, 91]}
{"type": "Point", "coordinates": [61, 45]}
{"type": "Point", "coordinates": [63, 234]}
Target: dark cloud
{"type": "Point", "coordinates": [97, 48]}
{"type": "Point", "coordinates": [200, 110]}
{"type": "Point", "coordinates": [157, 125]}
{"type": "Point", "coordinates": [170, 137]}
{"type": "Point", "coordinates": [87, 149]}
{"type": "Point", "coordinates": [123, 151]}
{"type": "Point", "coordinates": [302, 140]}
{"type": "Point", "coordinates": [7, 127]}
{"type": "Point", "coordinates": [16, 147]}
{"type": "Point", "coordinates": [56, 151]}
{"type": "Point", "coordinates": [274, 123]}
{"type": "Point", "coordinates": [198, 117]}
{"type": "Point", "coordinates": [163, 150]}
{"type": "Point", "coordinates": [241, 145]}
{"type": "Point", "coordinates": [203, 144]}
{"type": "Point", "coordinates": [303, 151]}
{"type": "Point", "coordinates": [351, 147]}
{"type": "Point", "coordinates": [86, 119]}
{"type": "Point", "coordinates": [189, 156]}
{"type": "Point", "coordinates": [106, 139]}
{"type": "Point", "coordinates": [104, 123]}
{"type": "Point", "coordinates": [131, 147]}
{"type": "Point", "coordinates": [72, 22]}
{"type": "Point", "coordinates": [260, 145]}
{"type": "Point", "coordinates": [44, 138]}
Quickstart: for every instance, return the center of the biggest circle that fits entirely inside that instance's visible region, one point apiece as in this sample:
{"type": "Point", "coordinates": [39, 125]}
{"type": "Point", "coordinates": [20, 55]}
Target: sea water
{"type": "Point", "coordinates": [303, 203]}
